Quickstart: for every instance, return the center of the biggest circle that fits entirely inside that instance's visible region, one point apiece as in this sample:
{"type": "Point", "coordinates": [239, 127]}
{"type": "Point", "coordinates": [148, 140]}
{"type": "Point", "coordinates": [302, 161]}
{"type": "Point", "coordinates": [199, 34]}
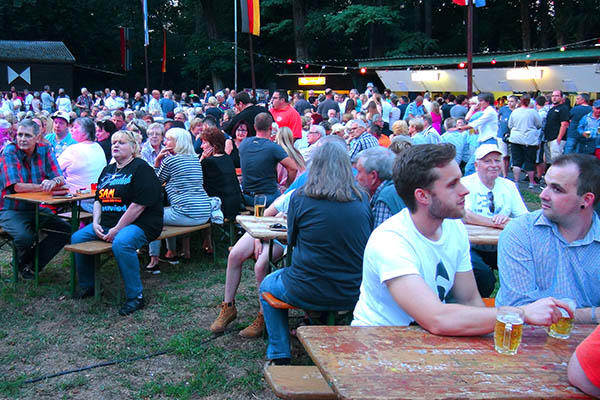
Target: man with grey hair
{"type": "Point", "coordinates": [31, 167]}
{"type": "Point", "coordinates": [315, 133]}
{"type": "Point", "coordinates": [374, 168]}
{"type": "Point", "coordinates": [84, 102]}
{"type": "Point", "coordinates": [360, 139]}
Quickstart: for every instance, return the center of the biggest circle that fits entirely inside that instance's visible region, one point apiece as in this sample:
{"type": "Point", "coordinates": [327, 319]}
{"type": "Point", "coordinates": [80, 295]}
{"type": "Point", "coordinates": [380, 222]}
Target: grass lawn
{"type": "Point", "coordinates": [44, 332]}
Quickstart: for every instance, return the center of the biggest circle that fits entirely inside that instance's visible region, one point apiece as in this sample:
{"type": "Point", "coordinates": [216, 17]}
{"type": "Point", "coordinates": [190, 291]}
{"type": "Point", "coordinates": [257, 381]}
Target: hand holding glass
{"type": "Point", "coordinates": [562, 328]}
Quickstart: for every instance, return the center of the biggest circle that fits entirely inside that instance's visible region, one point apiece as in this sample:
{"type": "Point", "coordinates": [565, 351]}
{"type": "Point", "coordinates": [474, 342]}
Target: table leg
{"type": "Point", "coordinates": [36, 260]}
{"type": "Point", "coordinates": [74, 228]}
{"type": "Point", "coordinates": [271, 264]}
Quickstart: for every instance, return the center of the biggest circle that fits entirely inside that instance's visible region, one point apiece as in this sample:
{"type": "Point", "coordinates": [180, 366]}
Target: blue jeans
{"type": "Point", "coordinates": [170, 217]}
{"type": "Point", "coordinates": [249, 200]}
{"type": "Point", "coordinates": [276, 319]}
{"type": "Point", "coordinates": [470, 167]}
{"type": "Point", "coordinates": [124, 247]}
{"type": "Point", "coordinates": [571, 145]}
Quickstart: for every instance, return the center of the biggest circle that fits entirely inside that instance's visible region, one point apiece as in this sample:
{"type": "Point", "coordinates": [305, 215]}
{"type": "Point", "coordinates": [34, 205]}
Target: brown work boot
{"type": "Point", "coordinates": [255, 329]}
{"type": "Point", "coordinates": [228, 313]}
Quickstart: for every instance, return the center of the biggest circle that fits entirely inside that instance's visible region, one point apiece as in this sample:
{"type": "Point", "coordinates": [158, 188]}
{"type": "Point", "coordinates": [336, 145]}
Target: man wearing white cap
{"type": "Point", "coordinates": [61, 138]}
{"type": "Point", "coordinates": [492, 201]}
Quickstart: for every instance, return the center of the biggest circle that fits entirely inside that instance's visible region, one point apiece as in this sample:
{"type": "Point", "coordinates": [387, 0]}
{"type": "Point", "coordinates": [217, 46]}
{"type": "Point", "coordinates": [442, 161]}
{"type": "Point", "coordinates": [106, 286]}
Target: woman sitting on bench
{"type": "Point", "coordinates": [190, 205]}
{"type": "Point", "coordinates": [128, 213]}
{"type": "Point", "coordinates": [329, 223]}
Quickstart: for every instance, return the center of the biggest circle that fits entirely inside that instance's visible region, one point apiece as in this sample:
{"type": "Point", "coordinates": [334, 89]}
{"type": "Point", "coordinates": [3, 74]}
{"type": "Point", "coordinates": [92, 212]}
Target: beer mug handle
{"type": "Point", "coordinates": [507, 335]}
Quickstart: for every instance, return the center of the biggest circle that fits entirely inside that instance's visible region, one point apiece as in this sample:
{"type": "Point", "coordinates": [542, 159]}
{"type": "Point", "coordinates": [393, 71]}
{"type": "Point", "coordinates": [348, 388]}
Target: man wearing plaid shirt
{"type": "Point", "coordinates": [30, 166]}
{"type": "Point", "coordinates": [360, 138]}
{"type": "Point", "coordinates": [374, 174]}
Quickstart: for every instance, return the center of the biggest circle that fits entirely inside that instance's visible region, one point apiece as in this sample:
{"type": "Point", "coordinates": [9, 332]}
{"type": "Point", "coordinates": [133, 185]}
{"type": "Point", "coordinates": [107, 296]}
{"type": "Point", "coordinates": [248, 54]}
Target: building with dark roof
{"type": "Point", "coordinates": [31, 65]}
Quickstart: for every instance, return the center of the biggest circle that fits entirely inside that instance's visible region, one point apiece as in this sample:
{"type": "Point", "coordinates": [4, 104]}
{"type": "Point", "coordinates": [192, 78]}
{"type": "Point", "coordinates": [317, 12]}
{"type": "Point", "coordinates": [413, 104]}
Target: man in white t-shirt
{"type": "Point", "coordinates": [492, 201]}
{"type": "Point", "coordinates": [415, 259]}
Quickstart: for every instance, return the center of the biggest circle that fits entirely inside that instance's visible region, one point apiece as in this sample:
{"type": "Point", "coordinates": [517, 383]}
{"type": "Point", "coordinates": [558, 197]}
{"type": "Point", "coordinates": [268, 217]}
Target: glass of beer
{"type": "Point", "coordinates": [509, 329]}
{"type": "Point", "coordinates": [260, 201]}
{"type": "Point", "coordinates": [562, 328]}
{"type": "Point", "coordinates": [587, 134]}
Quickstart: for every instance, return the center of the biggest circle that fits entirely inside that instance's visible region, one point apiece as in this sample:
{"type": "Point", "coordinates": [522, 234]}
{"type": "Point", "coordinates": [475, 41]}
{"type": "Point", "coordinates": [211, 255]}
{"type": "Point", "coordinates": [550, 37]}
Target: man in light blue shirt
{"type": "Point", "coordinates": [414, 109]}
{"type": "Point", "coordinates": [555, 251]}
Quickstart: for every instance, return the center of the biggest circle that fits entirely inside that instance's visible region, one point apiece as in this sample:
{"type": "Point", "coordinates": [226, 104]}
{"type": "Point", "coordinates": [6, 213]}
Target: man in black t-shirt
{"type": "Point", "coordinates": [259, 158]}
{"type": "Point", "coordinates": [557, 123]}
{"type": "Point", "coordinates": [247, 112]}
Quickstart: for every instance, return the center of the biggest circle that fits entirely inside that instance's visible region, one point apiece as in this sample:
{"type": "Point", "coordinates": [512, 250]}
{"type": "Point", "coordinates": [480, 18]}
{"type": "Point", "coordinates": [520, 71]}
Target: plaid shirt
{"type": "Point", "coordinates": [17, 168]}
{"type": "Point", "coordinates": [380, 210]}
{"type": "Point", "coordinates": [363, 142]}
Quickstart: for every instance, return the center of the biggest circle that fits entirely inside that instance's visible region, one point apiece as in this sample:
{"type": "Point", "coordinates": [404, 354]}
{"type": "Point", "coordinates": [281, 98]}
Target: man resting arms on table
{"type": "Point", "coordinates": [415, 259]}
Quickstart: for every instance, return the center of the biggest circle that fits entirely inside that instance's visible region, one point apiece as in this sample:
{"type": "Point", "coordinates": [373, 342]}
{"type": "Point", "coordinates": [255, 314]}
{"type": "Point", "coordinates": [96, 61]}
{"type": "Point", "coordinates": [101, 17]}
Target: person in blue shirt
{"type": "Point", "coordinates": [589, 131]}
{"type": "Point", "coordinates": [414, 109]}
{"type": "Point", "coordinates": [574, 139]}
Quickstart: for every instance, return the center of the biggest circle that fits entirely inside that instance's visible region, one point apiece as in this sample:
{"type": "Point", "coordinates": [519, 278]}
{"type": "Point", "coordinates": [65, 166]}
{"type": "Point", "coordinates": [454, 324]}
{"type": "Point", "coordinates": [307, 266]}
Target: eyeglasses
{"type": "Point", "coordinates": [490, 198]}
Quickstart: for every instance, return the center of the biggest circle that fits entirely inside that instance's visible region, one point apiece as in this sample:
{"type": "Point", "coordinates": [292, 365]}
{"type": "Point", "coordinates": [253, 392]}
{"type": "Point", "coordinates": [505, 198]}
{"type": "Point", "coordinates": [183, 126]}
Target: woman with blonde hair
{"type": "Point", "coordinates": [181, 173]}
{"type": "Point", "coordinates": [128, 213]}
{"type": "Point", "coordinates": [436, 116]}
{"type": "Point", "coordinates": [285, 138]}
{"type": "Point", "coordinates": [400, 128]}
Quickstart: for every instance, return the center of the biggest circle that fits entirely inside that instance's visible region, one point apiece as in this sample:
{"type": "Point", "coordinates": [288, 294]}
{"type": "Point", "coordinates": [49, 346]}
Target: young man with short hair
{"type": "Point", "coordinates": [415, 259]}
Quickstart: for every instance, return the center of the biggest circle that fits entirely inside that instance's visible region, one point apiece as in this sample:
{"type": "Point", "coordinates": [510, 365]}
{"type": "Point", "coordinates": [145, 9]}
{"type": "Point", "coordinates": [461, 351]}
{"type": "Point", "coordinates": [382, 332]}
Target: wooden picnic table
{"type": "Point", "coordinates": [483, 234]}
{"type": "Point", "coordinates": [258, 228]}
{"type": "Point", "coordinates": [40, 198]}
{"type": "Point", "coordinates": [410, 363]}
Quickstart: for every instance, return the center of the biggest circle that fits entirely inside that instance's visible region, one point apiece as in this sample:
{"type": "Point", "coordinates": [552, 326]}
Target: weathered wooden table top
{"type": "Point", "coordinates": [258, 227]}
{"type": "Point", "coordinates": [410, 363]}
{"type": "Point", "coordinates": [46, 197]}
{"type": "Point", "coordinates": [483, 234]}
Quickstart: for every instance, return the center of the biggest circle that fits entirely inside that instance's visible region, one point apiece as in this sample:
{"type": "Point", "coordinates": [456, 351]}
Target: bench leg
{"type": "Point", "coordinates": [15, 257]}
{"type": "Point", "coordinates": [97, 277]}
{"type": "Point", "coordinates": [74, 228]}
{"type": "Point", "coordinates": [331, 317]}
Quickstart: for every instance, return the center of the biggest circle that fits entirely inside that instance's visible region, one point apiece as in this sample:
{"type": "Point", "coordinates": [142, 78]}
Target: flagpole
{"type": "Point", "coordinates": [252, 66]}
{"type": "Point", "coordinates": [470, 48]}
{"type": "Point", "coordinates": [235, 52]}
{"type": "Point", "coordinates": [146, 42]}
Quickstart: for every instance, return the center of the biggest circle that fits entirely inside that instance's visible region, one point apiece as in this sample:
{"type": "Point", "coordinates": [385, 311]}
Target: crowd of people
{"type": "Point", "coordinates": [375, 188]}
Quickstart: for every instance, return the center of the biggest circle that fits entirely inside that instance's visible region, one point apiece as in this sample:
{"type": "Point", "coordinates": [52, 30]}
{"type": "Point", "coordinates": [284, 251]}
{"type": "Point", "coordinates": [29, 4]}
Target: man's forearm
{"type": "Point", "coordinates": [587, 315]}
{"type": "Point", "coordinates": [562, 131]}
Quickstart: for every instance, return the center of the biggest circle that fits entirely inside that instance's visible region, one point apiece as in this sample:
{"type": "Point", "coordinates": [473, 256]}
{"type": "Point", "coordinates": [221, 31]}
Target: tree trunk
{"type": "Point", "coordinates": [544, 24]}
{"type": "Point", "coordinates": [417, 18]}
{"type": "Point", "coordinates": [428, 17]}
{"type": "Point", "coordinates": [525, 25]}
{"type": "Point", "coordinates": [213, 34]}
{"type": "Point", "coordinates": [299, 13]}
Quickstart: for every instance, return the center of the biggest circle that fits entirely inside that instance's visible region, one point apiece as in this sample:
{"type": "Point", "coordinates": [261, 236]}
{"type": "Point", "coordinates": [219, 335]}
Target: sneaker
{"type": "Point", "coordinates": [228, 313]}
{"type": "Point", "coordinates": [153, 269]}
{"type": "Point", "coordinates": [279, 361]}
{"type": "Point", "coordinates": [530, 186]}
{"type": "Point", "coordinates": [171, 260]}
{"type": "Point", "coordinates": [27, 272]}
{"type": "Point", "coordinates": [131, 306]}
{"type": "Point", "coordinates": [255, 329]}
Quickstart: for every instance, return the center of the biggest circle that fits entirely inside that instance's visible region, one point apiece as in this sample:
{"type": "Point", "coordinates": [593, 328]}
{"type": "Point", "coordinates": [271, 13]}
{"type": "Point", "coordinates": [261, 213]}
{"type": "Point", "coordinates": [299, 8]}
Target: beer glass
{"type": "Point", "coordinates": [562, 328]}
{"type": "Point", "coordinates": [509, 328]}
{"type": "Point", "coordinates": [260, 201]}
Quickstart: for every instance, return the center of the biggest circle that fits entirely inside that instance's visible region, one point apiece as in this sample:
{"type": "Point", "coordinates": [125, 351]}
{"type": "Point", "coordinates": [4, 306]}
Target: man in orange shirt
{"type": "Point", "coordinates": [284, 114]}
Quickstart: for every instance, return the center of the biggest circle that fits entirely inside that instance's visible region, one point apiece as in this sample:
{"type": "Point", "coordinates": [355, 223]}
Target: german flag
{"type": "Point", "coordinates": [250, 17]}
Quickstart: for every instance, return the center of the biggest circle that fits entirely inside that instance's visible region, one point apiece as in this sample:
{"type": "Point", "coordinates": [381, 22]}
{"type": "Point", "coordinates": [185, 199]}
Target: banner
{"type": "Point", "coordinates": [250, 17]}
{"type": "Point", "coordinates": [125, 36]}
{"type": "Point", "coordinates": [145, 12]}
{"type": "Point", "coordinates": [164, 59]}
{"type": "Point", "coordinates": [478, 3]}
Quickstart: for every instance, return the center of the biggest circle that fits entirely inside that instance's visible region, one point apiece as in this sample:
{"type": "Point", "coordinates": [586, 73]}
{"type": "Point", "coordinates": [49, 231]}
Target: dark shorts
{"type": "Point", "coordinates": [523, 156]}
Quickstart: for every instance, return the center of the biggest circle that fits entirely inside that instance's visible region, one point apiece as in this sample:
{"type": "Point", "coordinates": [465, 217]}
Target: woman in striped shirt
{"type": "Point", "coordinates": [182, 175]}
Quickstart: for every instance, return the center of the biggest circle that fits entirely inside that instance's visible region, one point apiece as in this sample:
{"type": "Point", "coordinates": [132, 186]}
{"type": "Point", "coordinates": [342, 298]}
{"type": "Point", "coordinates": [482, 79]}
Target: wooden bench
{"type": "Point", "coordinates": [298, 382]}
{"type": "Point", "coordinates": [98, 247]}
{"type": "Point", "coordinates": [282, 305]}
{"type": "Point", "coordinates": [83, 215]}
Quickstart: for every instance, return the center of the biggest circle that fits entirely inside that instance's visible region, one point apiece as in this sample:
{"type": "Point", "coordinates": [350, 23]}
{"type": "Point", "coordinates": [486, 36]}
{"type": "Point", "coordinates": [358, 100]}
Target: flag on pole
{"type": "Point", "coordinates": [478, 3]}
{"type": "Point", "coordinates": [125, 35]}
{"type": "Point", "coordinates": [145, 12]}
{"type": "Point", "coordinates": [164, 60]}
{"type": "Point", "coordinates": [250, 17]}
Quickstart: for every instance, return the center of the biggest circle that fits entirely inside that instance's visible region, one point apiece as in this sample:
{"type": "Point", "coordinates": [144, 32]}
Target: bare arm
{"type": "Point", "coordinates": [292, 170]}
{"type": "Point", "coordinates": [578, 378]}
{"type": "Point", "coordinates": [497, 221]}
{"type": "Point", "coordinates": [97, 214]}
{"type": "Point", "coordinates": [416, 298]}
{"type": "Point", "coordinates": [228, 146]}
{"type": "Point", "coordinates": [561, 132]}
{"type": "Point", "coordinates": [584, 316]}
{"type": "Point", "coordinates": [46, 186]}
{"type": "Point", "coordinates": [133, 212]}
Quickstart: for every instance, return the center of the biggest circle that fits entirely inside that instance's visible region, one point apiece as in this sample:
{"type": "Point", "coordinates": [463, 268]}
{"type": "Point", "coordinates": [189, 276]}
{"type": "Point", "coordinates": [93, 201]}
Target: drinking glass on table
{"type": "Point", "coordinates": [260, 201]}
{"type": "Point", "coordinates": [562, 328]}
{"type": "Point", "coordinates": [509, 330]}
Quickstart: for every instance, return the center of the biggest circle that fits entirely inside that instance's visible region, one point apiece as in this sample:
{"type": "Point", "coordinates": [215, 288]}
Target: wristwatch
{"type": "Point", "coordinates": [57, 180]}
